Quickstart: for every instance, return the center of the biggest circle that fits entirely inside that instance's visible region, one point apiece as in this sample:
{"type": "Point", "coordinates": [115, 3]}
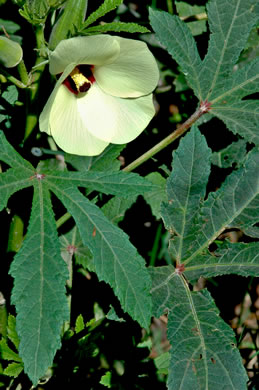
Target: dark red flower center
{"type": "Point", "coordinates": [80, 79]}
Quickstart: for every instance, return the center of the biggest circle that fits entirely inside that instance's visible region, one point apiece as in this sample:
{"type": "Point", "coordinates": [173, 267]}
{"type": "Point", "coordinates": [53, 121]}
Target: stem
{"type": "Point", "coordinates": [170, 7]}
{"type": "Point", "coordinates": [32, 115]}
{"type": "Point", "coordinates": [169, 139]}
{"type": "Point", "coordinates": [62, 220]}
{"type": "Point", "coordinates": [25, 79]}
{"type": "Point", "coordinates": [12, 79]}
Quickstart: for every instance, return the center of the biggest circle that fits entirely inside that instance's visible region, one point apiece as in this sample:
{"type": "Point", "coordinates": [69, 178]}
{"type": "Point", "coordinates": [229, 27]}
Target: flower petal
{"type": "Point", "coordinates": [68, 129]}
{"type": "Point", "coordinates": [93, 50]}
{"type": "Point", "coordinates": [113, 119]}
{"type": "Point", "coordinates": [45, 114]}
{"type": "Point", "coordinates": [133, 73]}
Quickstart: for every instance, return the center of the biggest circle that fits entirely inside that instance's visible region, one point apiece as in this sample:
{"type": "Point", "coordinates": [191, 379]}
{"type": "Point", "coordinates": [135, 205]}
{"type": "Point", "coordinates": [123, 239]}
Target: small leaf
{"type": "Point", "coordinates": [107, 6]}
{"type": "Point", "coordinates": [11, 331]}
{"type": "Point", "coordinates": [13, 369]}
{"type": "Point", "coordinates": [186, 10]}
{"type": "Point", "coordinates": [9, 26]}
{"type": "Point", "coordinates": [116, 27]}
{"type": "Point", "coordinates": [233, 154]}
{"type": "Point", "coordinates": [10, 95]}
{"type": "Point", "coordinates": [116, 208]}
{"type": "Point", "coordinates": [106, 379]}
{"type": "Point", "coordinates": [11, 52]}
{"type": "Point", "coordinates": [7, 353]}
{"type": "Point", "coordinates": [80, 325]}
{"type": "Point", "coordinates": [15, 234]}
{"type": "Point", "coordinates": [72, 245]}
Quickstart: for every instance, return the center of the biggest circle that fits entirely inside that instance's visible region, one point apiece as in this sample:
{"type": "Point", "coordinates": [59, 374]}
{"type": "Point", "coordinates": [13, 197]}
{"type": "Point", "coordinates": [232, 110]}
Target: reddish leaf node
{"type": "Point", "coordinates": [205, 106]}
{"type": "Point", "coordinates": [180, 268]}
{"type": "Point", "coordinates": [38, 176]}
{"type": "Point", "coordinates": [71, 249]}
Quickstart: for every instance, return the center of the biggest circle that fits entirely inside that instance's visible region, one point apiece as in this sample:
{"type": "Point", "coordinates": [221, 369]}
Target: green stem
{"type": "Point", "coordinates": [12, 79]}
{"type": "Point", "coordinates": [155, 246]}
{"type": "Point", "coordinates": [63, 219]}
{"type": "Point", "coordinates": [166, 141]}
{"type": "Point", "coordinates": [25, 79]}
{"type": "Point", "coordinates": [170, 7]}
{"type": "Point", "coordinates": [32, 115]}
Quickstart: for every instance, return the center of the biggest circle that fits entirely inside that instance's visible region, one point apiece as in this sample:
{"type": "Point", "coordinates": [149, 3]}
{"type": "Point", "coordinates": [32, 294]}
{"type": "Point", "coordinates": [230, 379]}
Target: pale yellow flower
{"type": "Point", "coordinates": [103, 94]}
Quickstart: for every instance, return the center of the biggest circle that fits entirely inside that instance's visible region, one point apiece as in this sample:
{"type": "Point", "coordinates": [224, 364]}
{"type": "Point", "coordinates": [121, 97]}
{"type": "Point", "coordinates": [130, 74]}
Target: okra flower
{"type": "Point", "coordinates": [103, 94]}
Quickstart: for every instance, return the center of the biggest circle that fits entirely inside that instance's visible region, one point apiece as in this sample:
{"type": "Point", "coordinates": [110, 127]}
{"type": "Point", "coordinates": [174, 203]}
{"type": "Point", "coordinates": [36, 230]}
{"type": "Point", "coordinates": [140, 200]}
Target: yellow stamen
{"type": "Point", "coordinates": [80, 80]}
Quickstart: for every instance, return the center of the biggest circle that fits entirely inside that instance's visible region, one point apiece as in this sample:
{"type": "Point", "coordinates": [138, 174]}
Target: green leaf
{"type": "Point", "coordinates": [186, 10]}
{"type": "Point", "coordinates": [156, 197]}
{"type": "Point", "coordinates": [106, 379]}
{"type": "Point", "coordinates": [69, 21]}
{"type": "Point", "coordinates": [116, 260]}
{"type": "Point", "coordinates": [7, 353]}
{"type": "Point", "coordinates": [179, 42]}
{"type": "Point", "coordinates": [11, 331]}
{"type": "Point", "coordinates": [162, 363]}
{"type": "Point", "coordinates": [15, 237]}
{"type": "Point", "coordinates": [239, 258]}
{"type": "Point", "coordinates": [39, 288]}
{"type": "Point", "coordinates": [203, 354]}
{"type": "Point", "coordinates": [116, 208]}
{"type": "Point", "coordinates": [116, 183]}
{"type": "Point", "coordinates": [106, 161]}
{"type": "Point", "coordinates": [235, 204]}
{"type": "Point", "coordinates": [11, 157]}
{"type": "Point", "coordinates": [11, 52]}
{"type": "Point", "coordinates": [227, 39]}
{"type": "Point", "coordinates": [116, 27]}
{"type": "Point", "coordinates": [241, 118]}
{"type": "Point", "coordinates": [11, 94]}
{"type": "Point", "coordinates": [234, 154]}
{"type": "Point", "coordinates": [185, 188]}
{"type": "Point", "coordinates": [80, 325]}
{"type": "Point", "coordinates": [72, 245]}
{"type": "Point", "coordinates": [13, 369]}
{"type": "Point", "coordinates": [214, 79]}
{"type": "Point", "coordinates": [10, 182]}
{"type": "Point", "coordinates": [107, 6]}
{"type": "Point", "coordinates": [9, 26]}
{"type": "Point", "coordinates": [198, 27]}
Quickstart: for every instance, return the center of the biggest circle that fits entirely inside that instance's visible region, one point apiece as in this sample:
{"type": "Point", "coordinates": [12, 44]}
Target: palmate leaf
{"type": "Point", "coordinates": [204, 359]}
{"type": "Point", "coordinates": [214, 79]}
{"type": "Point", "coordinates": [203, 354]}
{"type": "Point", "coordinates": [195, 223]}
{"type": "Point", "coordinates": [38, 269]}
